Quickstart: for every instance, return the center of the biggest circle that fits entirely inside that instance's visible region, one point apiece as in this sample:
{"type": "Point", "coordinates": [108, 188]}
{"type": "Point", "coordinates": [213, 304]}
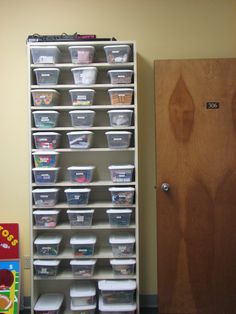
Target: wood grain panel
{"type": "Point", "coordinates": [196, 155]}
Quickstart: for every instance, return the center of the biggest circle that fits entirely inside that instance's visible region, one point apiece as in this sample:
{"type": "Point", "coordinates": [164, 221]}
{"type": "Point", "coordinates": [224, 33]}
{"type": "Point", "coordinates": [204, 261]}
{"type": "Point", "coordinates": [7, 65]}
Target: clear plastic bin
{"type": "Point", "coordinates": [120, 117]}
{"type": "Point", "coordinates": [120, 76]}
{"type": "Point", "coordinates": [81, 54]}
{"type": "Point", "coordinates": [117, 53]}
{"type": "Point", "coordinates": [45, 175]}
{"type": "Point", "coordinates": [46, 218]}
{"type": "Point", "coordinates": [83, 293]}
{"type": "Point", "coordinates": [77, 196]}
{"type": "Point", "coordinates": [45, 197]}
{"type": "Point", "coordinates": [45, 97]}
{"type": "Point", "coordinates": [122, 195]}
{"type": "Point", "coordinates": [48, 245]}
{"type": "Point", "coordinates": [47, 76]}
{"type": "Point", "coordinates": [121, 96]}
{"type": "Point", "coordinates": [82, 118]}
{"type": "Point", "coordinates": [46, 140]}
{"type": "Point", "coordinates": [116, 308]}
{"type": "Point", "coordinates": [80, 218]}
{"type": "Point", "coordinates": [118, 139]}
{"type": "Point", "coordinates": [121, 173]}
{"type": "Point", "coordinates": [44, 268]}
{"type": "Point", "coordinates": [49, 303]}
{"type": "Point", "coordinates": [83, 245]}
{"type": "Point", "coordinates": [45, 159]}
{"type": "Point", "coordinates": [82, 174]}
{"type": "Point", "coordinates": [84, 309]}
{"type": "Point", "coordinates": [45, 119]}
{"type": "Point", "coordinates": [80, 139]}
{"type": "Point", "coordinates": [45, 55]}
{"type": "Point", "coordinates": [117, 291]}
{"type": "Point", "coordinates": [82, 97]}
{"type": "Point", "coordinates": [123, 267]}
{"type": "Point", "coordinates": [119, 217]}
{"type": "Point", "coordinates": [84, 75]}
{"type": "Point", "coordinates": [122, 245]}
{"type": "Point", "coordinates": [83, 268]}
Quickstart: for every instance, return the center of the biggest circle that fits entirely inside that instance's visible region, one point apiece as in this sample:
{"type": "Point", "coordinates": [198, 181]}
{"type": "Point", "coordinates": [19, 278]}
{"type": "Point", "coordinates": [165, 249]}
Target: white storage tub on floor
{"type": "Point", "coordinates": [49, 303]}
{"type": "Point", "coordinates": [84, 309]}
{"type": "Point", "coordinates": [116, 308]}
{"type": "Point", "coordinates": [83, 293]}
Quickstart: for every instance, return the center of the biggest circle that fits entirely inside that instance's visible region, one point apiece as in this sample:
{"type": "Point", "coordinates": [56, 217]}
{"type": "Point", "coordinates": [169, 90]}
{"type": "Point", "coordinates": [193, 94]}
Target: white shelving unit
{"type": "Point", "coordinates": [98, 155]}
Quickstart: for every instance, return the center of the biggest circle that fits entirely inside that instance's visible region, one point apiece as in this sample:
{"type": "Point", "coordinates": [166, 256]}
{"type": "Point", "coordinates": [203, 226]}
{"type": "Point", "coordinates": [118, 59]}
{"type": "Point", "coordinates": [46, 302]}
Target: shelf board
{"type": "Point", "coordinates": [97, 107]}
{"type": "Point", "coordinates": [102, 273]}
{"type": "Point", "coordinates": [105, 128]}
{"type": "Point", "coordinates": [90, 205]}
{"type": "Point", "coordinates": [93, 183]}
{"type": "Point", "coordinates": [69, 150]}
{"type": "Point", "coordinates": [100, 65]}
{"type": "Point", "coordinates": [70, 86]}
{"type": "Point", "coordinates": [95, 226]}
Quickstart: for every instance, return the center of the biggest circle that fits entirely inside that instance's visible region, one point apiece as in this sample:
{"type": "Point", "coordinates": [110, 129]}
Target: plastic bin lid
{"type": "Point", "coordinates": [79, 132]}
{"type": "Point", "coordinates": [120, 167]}
{"type": "Point", "coordinates": [83, 240]}
{"type": "Point", "coordinates": [45, 153]}
{"type": "Point", "coordinates": [46, 133]}
{"type": "Point", "coordinates": [84, 68]}
{"type": "Point", "coordinates": [81, 47]}
{"type": "Point", "coordinates": [121, 189]}
{"type": "Point", "coordinates": [85, 190]}
{"type": "Point", "coordinates": [116, 46]}
{"type": "Point", "coordinates": [120, 111]}
{"type": "Point", "coordinates": [47, 69]}
{"type": "Point", "coordinates": [48, 239]}
{"type": "Point", "coordinates": [122, 261]}
{"type": "Point", "coordinates": [81, 90]}
{"type": "Point", "coordinates": [81, 111]}
{"type": "Point", "coordinates": [90, 262]}
{"type": "Point", "coordinates": [46, 263]}
{"type": "Point", "coordinates": [49, 302]}
{"type": "Point", "coordinates": [118, 132]}
{"type": "Point", "coordinates": [119, 211]}
{"type": "Point", "coordinates": [46, 169]}
{"type": "Point", "coordinates": [52, 190]}
{"type": "Point", "coordinates": [77, 211]}
{"type": "Point", "coordinates": [83, 289]}
{"type": "Point", "coordinates": [81, 168]}
{"type": "Point", "coordinates": [117, 239]}
{"type": "Point", "coordinates": [44, 111]}
{"type": "Point", "coordinates": [47, 90]}
{"type": "Point", "coordinates": [44, 47]}
{"type": "Point", "coordinates": [120, 71]}
{"type": "Point", "coordinates": [115, 307]}
{"type": "Point", "coordinates": [116, 285]}
{"type": "Point", "coordinates": [46, 212]}
{"type": "Point", "coordinates": [83, 307]}
{"type": "Point", "coordinates": [120, 90]}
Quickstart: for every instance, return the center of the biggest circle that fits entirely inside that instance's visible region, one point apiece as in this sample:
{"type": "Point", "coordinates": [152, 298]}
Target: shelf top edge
{"type": "Point", "coordinates": [81, 43]}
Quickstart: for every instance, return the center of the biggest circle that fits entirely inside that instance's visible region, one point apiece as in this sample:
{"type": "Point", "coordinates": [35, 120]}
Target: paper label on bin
{"type": "Point", "coordinates": [43, 270]}
{"type": "Point", "coordinates": [81, 97]}
{"type": "Point", "coordinates": [45, 119]}
{"type": "Point", "coordinates": [117, 139]}
{"type": "Point", "coordinates": [80, 218]}
{"type": "Point", "coordinates": [46, 59]}
{"type": "Point", "coordinates": [45, 74]}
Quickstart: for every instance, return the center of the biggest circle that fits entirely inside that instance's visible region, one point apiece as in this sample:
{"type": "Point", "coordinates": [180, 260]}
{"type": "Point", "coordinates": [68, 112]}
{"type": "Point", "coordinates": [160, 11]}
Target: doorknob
{"type": "Point", "coordinates": [165, 187]}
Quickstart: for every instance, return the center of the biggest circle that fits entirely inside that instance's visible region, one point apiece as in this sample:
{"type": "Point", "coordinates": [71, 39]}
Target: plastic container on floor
{"type": "Point", "coordinates": [45, 176]}
{"type": "Point", "coordinates": [47, 76]}
{"type": "Point", "coordinates": [83, 245]}
{"type": "Point", "coordinates": [119, 217]}
{"type": "Point", "coordinates": [46, 218]}
{"type": "Point", "coordinates": [81, 54]}
{"type": "Point", "coordinates": [120, 76]}
{"type": "Point", "coordinates": [83, 268]}
{"type": "Point", "coordinates": [46, 140]}
{"type": "Point", "coordinates": [77, 196]}
{"type": "Point", "coordinates": [120, 117]}
{"type": "Point", "coordinates": [45, 197]}
{"type": "Point", "coordinates": [81, 174]}
{"type": "Point", "coordinates": [82, 118]}
{"type": "Point", "coordinates": [44, 159]}
{"type": "Point", "coordinates": [82, 97]}
{"type": "Point", "coordinates": [46, 268]}
{"type": "Point", "coordinates": [118, 139]}
{"type": "Point", "coordinates": [48, 245]}
{"type": "Point", "coordinates": [84, 75]}
{"type": "Point", "coordinates": [45, 55]}
{"type": "Point", "coordinates": [84, 309]}
{"type": "Point", "coordinates": [80, 218]}
{"type": "Point", "coordinates": [45, 97]}
{"type": "Point", "coordinates": [122, 245]}
{"type": "Point", "coordinates": [45, 119]}
{"type": "Point", "coordinates": [49, 303]}
{"type": "Point", "coordinates": [116, 308]}
{"type": "Point", "coordinates": [121, 173]}
{"type": "Point", "coordinates": [123, 267]}
{"type": "Point", "coordinates": [117, 53]}
{"type": "Point", "coordinates": [122, 195]}
{"type": "Point", "coordinates": [80, 139]}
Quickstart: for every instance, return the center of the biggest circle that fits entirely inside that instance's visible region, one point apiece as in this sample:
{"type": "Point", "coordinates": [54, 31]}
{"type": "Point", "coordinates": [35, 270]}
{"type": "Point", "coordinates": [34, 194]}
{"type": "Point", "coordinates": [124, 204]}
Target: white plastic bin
{"type": "Point", "coordinates": [45, 55]}
{"type": "Point", "coordinates": [83, 293]}
{"type": "Point", "coordinates": [121, 173]}
{"type": "Point", "coordinates": [118, 139]}
{"type": "Point", "coordinates": [45, 97]}
{"type": "Point", "coordinates": [77, 196]}
{"type": "Point", "coordinates": [82, 118]}
{"type": "Point", "coordinates": [82, 97]}
{"type": "Point", "coordinates": [122, 245]}
{"type": "Point", "coordinates": [48, 245]}
{"type": "Point", "coordinates": [80, 139]}
{"type": "Point", "coordinates": [121, 96]}
{"type": "Point", "coordinates": [46, 268]}
{"type": "Point", "coordinates": [116, 308]}
{"type": "Point", "coordinates": [84, 75]}
{"type": "Point", "coordinates": [45, 176]}
{"type": "Point", "coordinates": [123, 267]}
{"type": "Point", "coordinates": [117, 53]}
{"type": "Point", "coordinates": [120, 117]}
{"type": "Point", "coordinates": [46, 218]}
{"type": "Point", "coordinates": [120, 76]}
{"type": "Point", "coordinates": [83, 268]}
{"type": "Point", "coordinates": [81, 54]}
{"type": "Point", "coordinates": [122, 195]}
{"type": "Point", "coordinates": [119, 217]}
{"type": "Point", "coordinates": [45, 197]}
{"type": "Point", "coordinates": [45, 119]}
{"type": "Point", "coordinates": [84, 309]}
{"type": "Point", "coordinates": [117, 291]}
{"type": "Point", "coordinates": [83, 245]}
{"type": "Point", "coordinates": [49, 303]}
{"type": "Point", "coordinates": [47, 76]}
{"type": "Point", "coordinates": [81, 174]}
{"type": "Point", "coordinates": [44, 159]}
{"type": "Point", "coordinates": [46, 140]}
{"type": "Point", "coordinates": [80, 218]}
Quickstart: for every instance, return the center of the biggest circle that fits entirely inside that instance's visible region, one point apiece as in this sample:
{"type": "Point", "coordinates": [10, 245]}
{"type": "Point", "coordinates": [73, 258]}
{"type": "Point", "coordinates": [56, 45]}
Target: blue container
{"type": "Point", "coordinates": [77, 196]}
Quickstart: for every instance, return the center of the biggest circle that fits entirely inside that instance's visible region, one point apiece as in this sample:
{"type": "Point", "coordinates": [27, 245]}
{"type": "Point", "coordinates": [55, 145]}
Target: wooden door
{"type": "Point", "coordinates": [196, 155]}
